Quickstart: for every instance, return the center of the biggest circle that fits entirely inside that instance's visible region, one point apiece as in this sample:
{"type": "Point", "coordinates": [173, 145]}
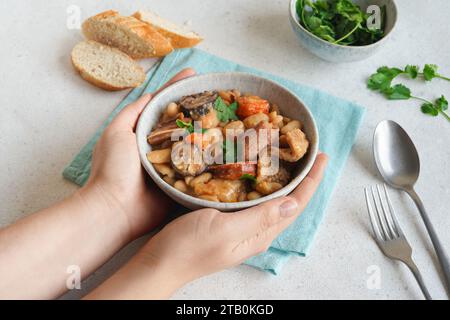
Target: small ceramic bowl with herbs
{"type": "Point", "coordinates": [343, 30]}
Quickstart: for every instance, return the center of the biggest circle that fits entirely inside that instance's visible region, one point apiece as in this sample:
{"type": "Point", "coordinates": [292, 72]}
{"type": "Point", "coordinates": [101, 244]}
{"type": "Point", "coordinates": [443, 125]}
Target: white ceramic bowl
{"type": "Point", "coordinates": [339, 53]}
{"type": "Point", "coordinates": [290, 106]}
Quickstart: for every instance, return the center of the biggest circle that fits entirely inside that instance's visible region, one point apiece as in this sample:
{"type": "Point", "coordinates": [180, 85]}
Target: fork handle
{"type": "Point", "coordinates": [440, 252]}
{"type": "Point", "coordinates": [412, 266]}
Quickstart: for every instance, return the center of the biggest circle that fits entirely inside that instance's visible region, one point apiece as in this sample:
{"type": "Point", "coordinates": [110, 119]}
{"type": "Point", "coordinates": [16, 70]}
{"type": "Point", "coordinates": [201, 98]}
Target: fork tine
{"type": "Point", "coordinates": [398, 230]}
{"type": "Point", "coordinates": [373, 220]}
{"type": "Point", "coordinates": [387, 214]}
{"type": "Point", "coordinates": [397, 247]}
{"type": "Point", "coordinates": [380, 216]}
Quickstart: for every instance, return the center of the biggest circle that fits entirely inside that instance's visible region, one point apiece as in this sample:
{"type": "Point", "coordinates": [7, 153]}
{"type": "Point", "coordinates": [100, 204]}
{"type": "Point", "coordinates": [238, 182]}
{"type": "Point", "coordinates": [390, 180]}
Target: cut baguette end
{"type": "Point", "coordinates": [106, 67]}
{"type": "Point", "coordinates": [179, 37]}
{"type": "Point", "coordinates": [132, 36]}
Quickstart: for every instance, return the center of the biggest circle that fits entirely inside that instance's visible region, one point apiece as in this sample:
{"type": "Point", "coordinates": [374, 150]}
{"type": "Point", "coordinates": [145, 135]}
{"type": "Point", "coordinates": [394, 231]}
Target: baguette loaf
{"type": "Point", "coordinates": [132, 36]}
{"type": "Point", "coordinates": [106, 67]}
{"type": "Point", "coordinates": [179, 37]}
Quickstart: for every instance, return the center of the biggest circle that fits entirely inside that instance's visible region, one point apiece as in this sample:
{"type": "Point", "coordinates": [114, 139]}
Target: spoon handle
{"type": "Point", "coordinates": [412, 266]}
{"type": "Point", "coordinates": [441, 254]}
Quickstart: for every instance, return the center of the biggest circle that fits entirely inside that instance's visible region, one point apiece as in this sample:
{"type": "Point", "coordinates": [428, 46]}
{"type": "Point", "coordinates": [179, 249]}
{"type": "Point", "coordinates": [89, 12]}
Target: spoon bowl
{"type": "Point", "coordinates": [395, 155]}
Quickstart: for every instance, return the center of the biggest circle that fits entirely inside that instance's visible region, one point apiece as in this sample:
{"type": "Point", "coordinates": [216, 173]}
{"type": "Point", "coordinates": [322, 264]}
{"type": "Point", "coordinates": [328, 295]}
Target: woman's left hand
{"type": "Point", "coordinates": [83, 231]}
{"type": "Point", "coordinates": [117, 175]}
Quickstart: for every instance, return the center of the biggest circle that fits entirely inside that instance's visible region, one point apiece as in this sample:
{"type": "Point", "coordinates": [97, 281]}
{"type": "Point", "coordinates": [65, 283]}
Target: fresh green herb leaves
{"type": "Point", "coordinates": [398, 92]}
{"type": "Point", "coordinates": [439, 106]}
{"type": "Point", "coordinates": [412, 71]}
{"type": "Point", "coordinates": [382, 81]}
{"type": "Point", "coordinates": [428, 108]}
{"type": "Point", "coordinates": [430, 72]}
{"type": "Point", "coordinates": [248, 177]}
{"type": "Point", "coordinates": [225, 113]}
{"type": "Point", "coordinates": [338, 21]}
{"type": "Point", "coordinates": [442, 103]}
{"type": "Point", "coordinates": [187, 125]}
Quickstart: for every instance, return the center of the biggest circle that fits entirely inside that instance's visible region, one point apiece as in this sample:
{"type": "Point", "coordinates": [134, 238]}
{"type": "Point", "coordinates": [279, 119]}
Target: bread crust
{"type": "Point", "coordinates": [160, 45]}
{"type": "Point", "coordinates": [178, 41]}
{"type": "Point", "coordinates": [102, 84]}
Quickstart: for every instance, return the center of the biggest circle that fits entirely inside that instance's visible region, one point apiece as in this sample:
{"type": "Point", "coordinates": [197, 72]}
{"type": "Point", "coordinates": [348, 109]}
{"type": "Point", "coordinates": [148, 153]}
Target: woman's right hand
{"type": "Point", "coordinates": [207, 241]}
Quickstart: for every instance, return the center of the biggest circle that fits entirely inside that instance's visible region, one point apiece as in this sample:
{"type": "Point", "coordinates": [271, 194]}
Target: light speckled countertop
{"type": "Point", "coordinates": [48, 113]}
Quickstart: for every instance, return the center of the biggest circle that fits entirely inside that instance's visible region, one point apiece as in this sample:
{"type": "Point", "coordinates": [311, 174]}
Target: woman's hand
{"type": "Point", "coordinates": [83, 231]}
{"type": "Point", "coordinates": [117, 175]}
{"type": "Point", "coordinates": [206, 241]}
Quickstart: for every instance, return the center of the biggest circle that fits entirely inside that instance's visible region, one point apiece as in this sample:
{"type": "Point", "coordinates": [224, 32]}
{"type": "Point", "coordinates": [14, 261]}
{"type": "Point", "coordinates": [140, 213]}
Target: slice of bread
{"type": "Point", "coordinates": [180, 37]}
{"type": "Point", "coordinates": [134, 37]}
{"type": "Point", "coordinates": [106, 67]}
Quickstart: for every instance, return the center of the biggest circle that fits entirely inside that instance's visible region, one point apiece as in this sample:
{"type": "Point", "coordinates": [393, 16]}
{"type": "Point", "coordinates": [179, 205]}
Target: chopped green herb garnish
{"type": "Point", "coordinates": [249, 177]}
{"type": "Point", "coordinates": [225, 113]}
{"type": "Point", "coordinates": [186, 125]}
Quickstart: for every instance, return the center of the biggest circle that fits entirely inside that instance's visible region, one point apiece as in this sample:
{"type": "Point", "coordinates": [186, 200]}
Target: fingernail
{"type": "Point", "coordinates": [288, 208]}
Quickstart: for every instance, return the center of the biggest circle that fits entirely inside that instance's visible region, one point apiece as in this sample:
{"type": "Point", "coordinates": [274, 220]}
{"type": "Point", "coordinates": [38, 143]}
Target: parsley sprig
{"type": "Point", "coordinates": [188, 126]}
{"type": "Point", "coordinates": [382, 81]}
{"type": "Point", "coordinates": [225, 113]}
{"type": "Point", "coordinates": [384, 75]}
{"type": "Point", "coordinates": [249, 177]}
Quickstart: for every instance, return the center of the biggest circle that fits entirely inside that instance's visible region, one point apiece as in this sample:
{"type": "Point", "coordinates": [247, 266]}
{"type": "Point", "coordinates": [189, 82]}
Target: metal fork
{"type": "Point", "coordinates": [387, 232]}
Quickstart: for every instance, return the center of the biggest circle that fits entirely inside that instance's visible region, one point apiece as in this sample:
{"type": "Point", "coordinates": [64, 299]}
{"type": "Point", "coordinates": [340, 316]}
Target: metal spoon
{"type": "Point", "coordinates": [398, 163]}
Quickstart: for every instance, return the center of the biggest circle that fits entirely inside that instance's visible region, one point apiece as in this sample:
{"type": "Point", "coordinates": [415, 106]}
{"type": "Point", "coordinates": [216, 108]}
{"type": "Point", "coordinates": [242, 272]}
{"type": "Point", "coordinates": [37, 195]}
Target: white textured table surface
{"type": "Point", "coordinates": [49, 113]}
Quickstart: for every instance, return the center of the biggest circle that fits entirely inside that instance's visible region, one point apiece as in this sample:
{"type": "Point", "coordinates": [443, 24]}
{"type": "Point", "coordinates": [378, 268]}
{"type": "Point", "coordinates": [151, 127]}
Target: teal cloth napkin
{"type": "Point", "coordinates": [338, 121]}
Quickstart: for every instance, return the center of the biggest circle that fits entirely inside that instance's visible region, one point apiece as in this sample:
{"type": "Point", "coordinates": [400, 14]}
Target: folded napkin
{"type": "Point", "coordinates": [338, 121]}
